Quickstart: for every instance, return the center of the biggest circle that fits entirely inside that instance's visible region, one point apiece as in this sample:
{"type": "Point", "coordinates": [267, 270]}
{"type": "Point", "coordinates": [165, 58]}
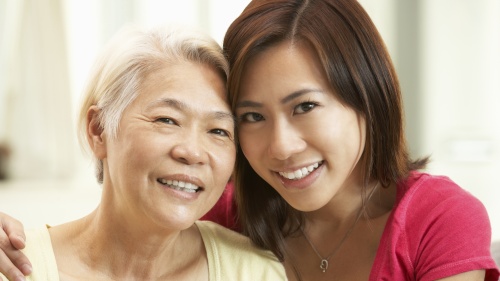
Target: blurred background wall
{"type": "Point", "coordinates": [447, 53]}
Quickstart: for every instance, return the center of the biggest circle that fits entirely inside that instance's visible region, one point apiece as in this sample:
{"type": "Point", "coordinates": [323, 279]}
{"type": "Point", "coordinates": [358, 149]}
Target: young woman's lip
{"type": "Point", "coordinates": [302, 183]}
{"type": "Point", "coordinates": [292, 170]}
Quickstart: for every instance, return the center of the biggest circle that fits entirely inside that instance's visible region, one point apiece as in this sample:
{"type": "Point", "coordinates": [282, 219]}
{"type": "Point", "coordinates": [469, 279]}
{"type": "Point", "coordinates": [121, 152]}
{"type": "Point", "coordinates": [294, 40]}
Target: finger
{"type": "Point", "coordinates": [17, 241]}
{"type": "Point", "coordinates": [13, 262]}
{"type": "Point", "coordinates": [11, 271]}
{"type": "Point", "coordinates": [14, 230]}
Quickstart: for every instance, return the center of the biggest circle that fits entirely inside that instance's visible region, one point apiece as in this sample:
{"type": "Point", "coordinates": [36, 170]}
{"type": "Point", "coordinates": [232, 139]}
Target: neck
{"type": "Point", "coordinates": [345, 206]}
{"type": "Point", "coordinates": [342, 237]}
{"type": "Point", "coordinates": [110, 245]}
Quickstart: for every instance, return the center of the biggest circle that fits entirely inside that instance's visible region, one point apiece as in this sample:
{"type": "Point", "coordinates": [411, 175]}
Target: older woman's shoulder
{"type": "Point", "coordinates": [230, 254]}
{"type": "Point", "coordinates": [39, 251]}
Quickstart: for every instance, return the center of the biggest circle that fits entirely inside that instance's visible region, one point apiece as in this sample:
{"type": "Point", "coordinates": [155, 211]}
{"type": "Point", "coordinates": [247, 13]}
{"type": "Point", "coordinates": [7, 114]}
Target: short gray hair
{"type": "Point", "coordinates": [127, 59]}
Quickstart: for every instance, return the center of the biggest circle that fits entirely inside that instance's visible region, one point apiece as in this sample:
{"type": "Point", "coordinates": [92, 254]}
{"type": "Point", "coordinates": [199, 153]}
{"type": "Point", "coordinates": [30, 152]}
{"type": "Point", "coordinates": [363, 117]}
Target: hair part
{"type": "Point", "coordinates": [130, 56]}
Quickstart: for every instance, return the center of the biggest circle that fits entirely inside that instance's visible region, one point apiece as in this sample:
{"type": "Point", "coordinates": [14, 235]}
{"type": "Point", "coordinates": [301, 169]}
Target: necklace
{"type": "Point", "coordinates": [324, 261]}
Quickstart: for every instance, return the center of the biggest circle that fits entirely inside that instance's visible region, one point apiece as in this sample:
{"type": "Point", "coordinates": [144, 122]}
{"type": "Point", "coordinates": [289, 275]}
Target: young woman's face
{"type": "Point", "coordinates": [294, 131]}
{"type": "Point", "coordinates": [175, 150]}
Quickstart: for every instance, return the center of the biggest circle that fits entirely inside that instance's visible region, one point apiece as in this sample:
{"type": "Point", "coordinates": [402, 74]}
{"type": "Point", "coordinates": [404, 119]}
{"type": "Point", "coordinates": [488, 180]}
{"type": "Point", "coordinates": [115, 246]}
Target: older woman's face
{"type": "Point", "coordinates": [175, 151]}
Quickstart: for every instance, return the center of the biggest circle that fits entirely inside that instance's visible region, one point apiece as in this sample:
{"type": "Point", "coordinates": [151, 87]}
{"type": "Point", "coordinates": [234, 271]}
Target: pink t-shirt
{"type": "Point", "coordinates": [224, 212]}
{"type": "Point", "coordinates": [435, 230]}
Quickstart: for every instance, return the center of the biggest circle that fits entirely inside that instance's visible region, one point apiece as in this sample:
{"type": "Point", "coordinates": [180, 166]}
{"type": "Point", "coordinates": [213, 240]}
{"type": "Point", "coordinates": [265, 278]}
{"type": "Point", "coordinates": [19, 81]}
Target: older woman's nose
{"type": "Point", "coordinates": [190, 149]}
{"type": "Point", "coordinates": [284, 141]}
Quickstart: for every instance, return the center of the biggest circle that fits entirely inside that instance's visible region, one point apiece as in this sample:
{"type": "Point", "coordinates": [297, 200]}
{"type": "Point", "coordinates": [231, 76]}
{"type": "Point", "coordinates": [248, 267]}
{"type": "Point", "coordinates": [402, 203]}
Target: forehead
{"type": "Point", "coordinates": [283, 68]}
{"type": "Point", "coordinates": [196, 84]}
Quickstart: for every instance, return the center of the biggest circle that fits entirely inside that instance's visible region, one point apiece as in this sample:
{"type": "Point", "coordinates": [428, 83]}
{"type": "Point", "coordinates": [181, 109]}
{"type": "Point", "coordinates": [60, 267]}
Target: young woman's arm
{"type": "Point", "coordinates": [13, 263]}
{"type": "Point", "coordinates": [477, 275]}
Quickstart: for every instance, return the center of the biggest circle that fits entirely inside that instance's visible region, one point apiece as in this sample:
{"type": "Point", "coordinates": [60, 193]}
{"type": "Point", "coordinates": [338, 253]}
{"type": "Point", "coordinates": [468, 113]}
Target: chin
{"type": "Point", "coordinates": [176, 219]}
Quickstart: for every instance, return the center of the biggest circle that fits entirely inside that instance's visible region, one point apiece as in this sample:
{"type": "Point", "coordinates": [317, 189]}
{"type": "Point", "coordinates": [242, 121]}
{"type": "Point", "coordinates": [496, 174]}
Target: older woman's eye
{"type": "Point", "coordinates": [220, 132]}
{"type": "Point", "coordinates": [304, 107]}
{"type": "Point", "coordinates": [251, 117]}
{"type": "Point", "coordinates": [166, 120]}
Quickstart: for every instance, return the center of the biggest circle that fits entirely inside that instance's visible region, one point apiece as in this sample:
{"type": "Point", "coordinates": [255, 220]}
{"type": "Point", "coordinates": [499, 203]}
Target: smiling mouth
{"type": "Point", "coordinates": [301, 173]}
{"type": "Point", "coordinates": [180, 185]}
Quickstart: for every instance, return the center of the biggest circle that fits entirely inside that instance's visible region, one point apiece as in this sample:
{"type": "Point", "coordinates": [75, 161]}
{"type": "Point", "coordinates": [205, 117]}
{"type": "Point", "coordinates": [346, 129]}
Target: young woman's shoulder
{"type": "Point", "coordinates": [423, 193]}
{"type": "Point", "coordinates": [440, 227]}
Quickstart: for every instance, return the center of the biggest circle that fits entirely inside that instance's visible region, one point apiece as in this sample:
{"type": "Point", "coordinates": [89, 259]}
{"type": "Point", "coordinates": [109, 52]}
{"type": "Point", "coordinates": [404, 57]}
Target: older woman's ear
{"type": "Point", "coordinates": [95, 133]}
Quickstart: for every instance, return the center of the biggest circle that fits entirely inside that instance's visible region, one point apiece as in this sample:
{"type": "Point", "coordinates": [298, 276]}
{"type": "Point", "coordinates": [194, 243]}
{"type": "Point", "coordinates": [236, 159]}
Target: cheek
{"type": "Point", "coordinates": [256, 155]}
{"type": "Point", "coordinates": [224, 158]}
{"type": "Point", "coordinates": [251, 146]}
{"type": "Point", "coordinates": [350, 140]}
{"type": "Point", "coordinates": [143, 151]}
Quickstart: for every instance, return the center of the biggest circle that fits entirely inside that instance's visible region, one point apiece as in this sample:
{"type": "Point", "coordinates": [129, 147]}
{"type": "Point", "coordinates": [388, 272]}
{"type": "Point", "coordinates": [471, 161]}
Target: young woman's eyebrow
{"type": "Point", "coordinates": [247, 103]}
{"type": "Point", "coordinates": [288, 98]}
{"type": "Point", "coordinates": [299, 93]}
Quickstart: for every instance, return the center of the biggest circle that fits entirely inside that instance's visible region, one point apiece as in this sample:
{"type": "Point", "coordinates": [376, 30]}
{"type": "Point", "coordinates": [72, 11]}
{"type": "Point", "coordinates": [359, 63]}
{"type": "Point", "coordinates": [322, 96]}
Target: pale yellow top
{"type": "Point", "coordinates": [39, 251]}
{"type": "Point", "coordinates": [230, 255]}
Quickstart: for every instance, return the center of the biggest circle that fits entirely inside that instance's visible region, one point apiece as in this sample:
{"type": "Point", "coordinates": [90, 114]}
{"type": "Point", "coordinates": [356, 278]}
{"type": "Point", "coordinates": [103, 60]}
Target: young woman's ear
{"type": "Point", "coordinates": [95, 133]}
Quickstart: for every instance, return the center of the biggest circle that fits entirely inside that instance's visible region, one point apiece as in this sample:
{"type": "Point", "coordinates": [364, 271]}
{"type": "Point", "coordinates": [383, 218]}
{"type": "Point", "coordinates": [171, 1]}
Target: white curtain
{"type": "Point", "coordinates": [37, 118]}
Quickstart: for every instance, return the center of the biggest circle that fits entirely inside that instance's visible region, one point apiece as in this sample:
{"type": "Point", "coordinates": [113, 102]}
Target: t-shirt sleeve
{"type": "Point", "coordinates": [452, 236]}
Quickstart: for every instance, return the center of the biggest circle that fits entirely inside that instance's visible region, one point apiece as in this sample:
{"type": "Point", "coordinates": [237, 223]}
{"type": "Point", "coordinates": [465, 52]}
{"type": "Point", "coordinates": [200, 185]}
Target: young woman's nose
{"type": "Point", "coordinates": [190, 149]}
{"type": "Point", "coordinates": [284, 141]}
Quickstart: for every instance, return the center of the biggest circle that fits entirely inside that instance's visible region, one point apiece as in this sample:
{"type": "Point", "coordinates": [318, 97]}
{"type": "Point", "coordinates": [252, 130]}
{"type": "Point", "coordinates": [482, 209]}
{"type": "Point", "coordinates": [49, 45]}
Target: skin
{"type": "Point", "coordinates": [180, 127]}
{"type": "Point", "coordinates": [290, 119]}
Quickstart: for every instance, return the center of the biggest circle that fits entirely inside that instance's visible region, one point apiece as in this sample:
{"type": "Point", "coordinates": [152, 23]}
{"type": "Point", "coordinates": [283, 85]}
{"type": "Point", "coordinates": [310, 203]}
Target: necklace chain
{"type": "Point", "coordinates": [324, 261]}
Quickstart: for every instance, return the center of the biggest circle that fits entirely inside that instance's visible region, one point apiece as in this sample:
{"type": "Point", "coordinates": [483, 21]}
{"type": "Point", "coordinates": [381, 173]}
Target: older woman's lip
{"type": "Point", "coordinates": [180, 185]}
{"type": "Point", "coordinates": [183, 178]}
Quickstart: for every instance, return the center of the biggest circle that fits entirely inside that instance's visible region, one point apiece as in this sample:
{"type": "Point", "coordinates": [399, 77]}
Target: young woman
{"type": "Point", "coordinates": [323, 177]}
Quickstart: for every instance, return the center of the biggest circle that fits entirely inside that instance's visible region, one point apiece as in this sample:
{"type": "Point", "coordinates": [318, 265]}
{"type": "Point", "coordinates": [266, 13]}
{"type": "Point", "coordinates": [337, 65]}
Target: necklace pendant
{"type": "Point", "coordinates": [324, 265]}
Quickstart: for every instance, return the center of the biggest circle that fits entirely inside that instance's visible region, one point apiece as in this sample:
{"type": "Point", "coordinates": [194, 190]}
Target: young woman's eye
{"type": "Point", "coordinates": [251, 117]}
{"type": "Point", "coordinates": [304, 107]}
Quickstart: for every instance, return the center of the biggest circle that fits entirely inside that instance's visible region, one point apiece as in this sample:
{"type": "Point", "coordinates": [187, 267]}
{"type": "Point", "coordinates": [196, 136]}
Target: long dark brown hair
{"type": "Point", "coordinates": [359, 70]}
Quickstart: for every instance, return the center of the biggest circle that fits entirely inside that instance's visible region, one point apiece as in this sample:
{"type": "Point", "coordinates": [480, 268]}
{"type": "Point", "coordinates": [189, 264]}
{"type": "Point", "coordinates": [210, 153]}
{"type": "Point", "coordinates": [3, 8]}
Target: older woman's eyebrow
{"type": "Point", "coordinates": [224, 116]}
{"type": "Point", "coordinates": [179, 105]}
{"type": "Point", "coordinates": [182, 106]}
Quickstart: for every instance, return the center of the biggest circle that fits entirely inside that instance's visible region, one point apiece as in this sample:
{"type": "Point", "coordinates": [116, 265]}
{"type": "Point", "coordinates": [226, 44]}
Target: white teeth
{"type": "Point", "coordinates": [297, 174]}
{"type": "Point", "coordinates": [180, 185]}
{"type": "Point", "coordinates": [300, 173]}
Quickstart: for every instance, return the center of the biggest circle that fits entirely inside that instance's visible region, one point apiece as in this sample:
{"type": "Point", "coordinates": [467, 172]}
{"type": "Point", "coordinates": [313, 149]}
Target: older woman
{"type": "Point", "coordinates": [156, 119]}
